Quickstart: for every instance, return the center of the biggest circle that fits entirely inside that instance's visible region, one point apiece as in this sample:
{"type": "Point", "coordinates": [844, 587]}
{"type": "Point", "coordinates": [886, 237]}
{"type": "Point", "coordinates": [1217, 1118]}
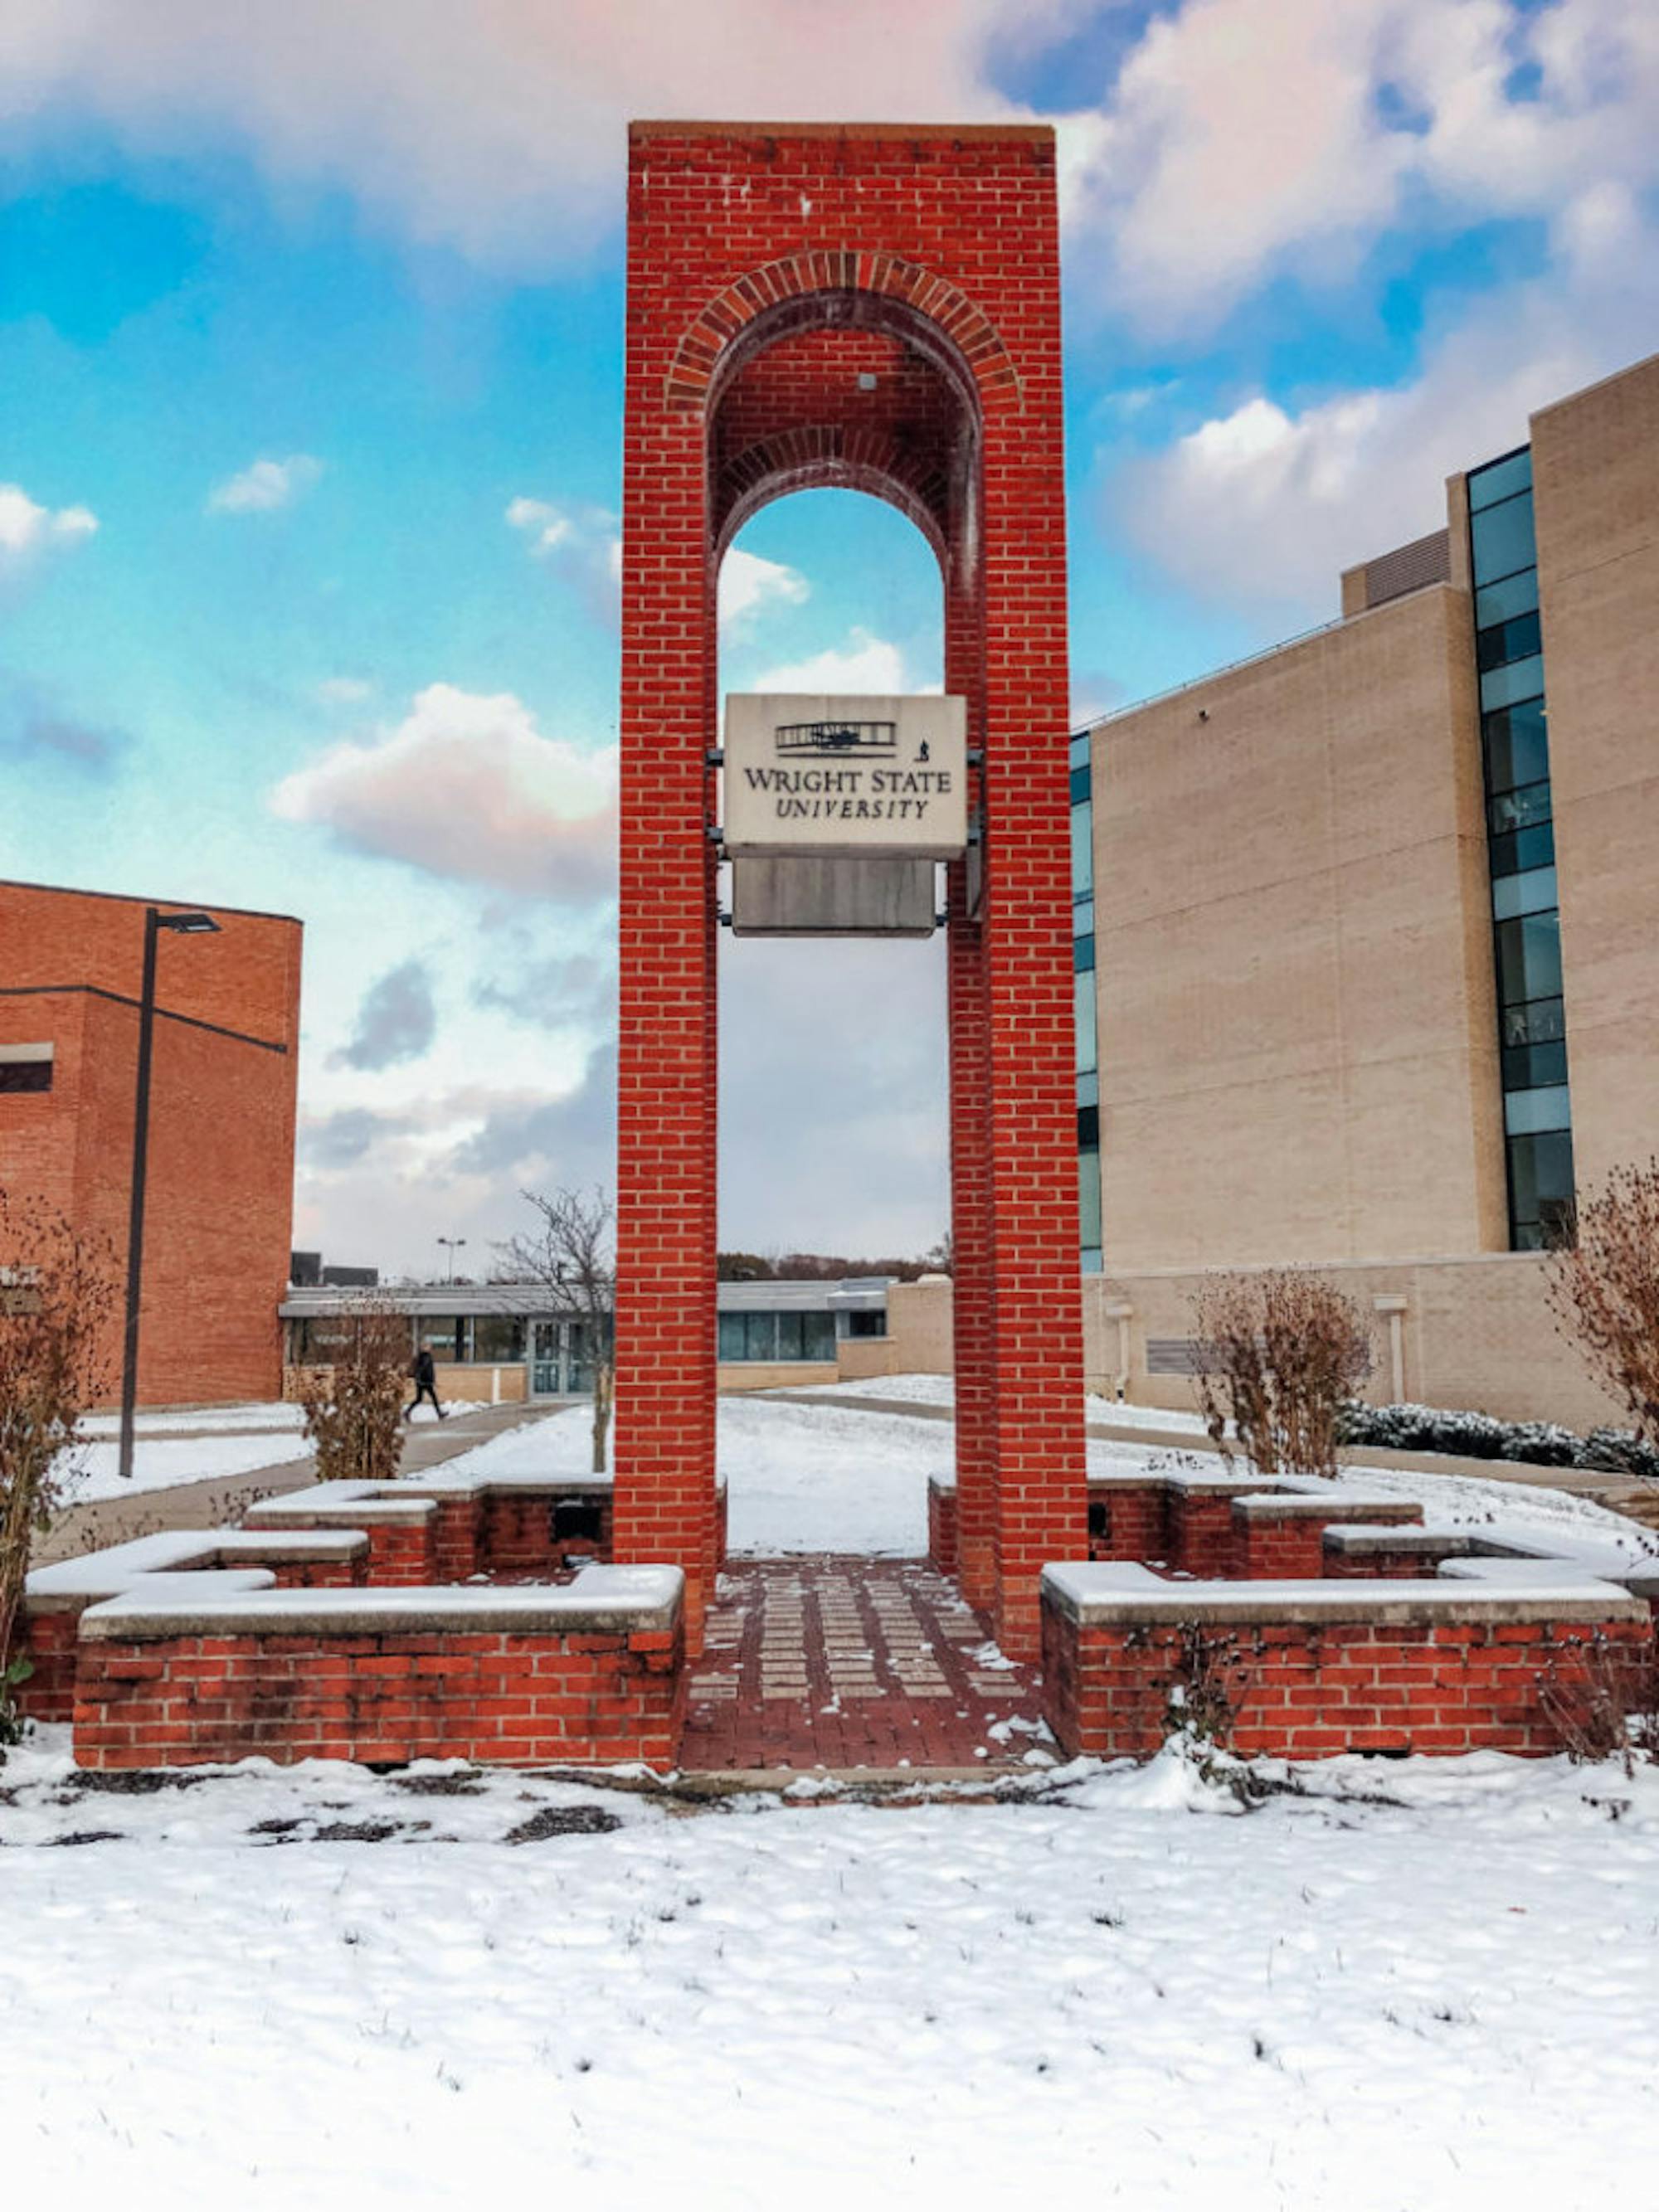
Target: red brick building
{"type": "Point", "coordinates": [221, 1183]}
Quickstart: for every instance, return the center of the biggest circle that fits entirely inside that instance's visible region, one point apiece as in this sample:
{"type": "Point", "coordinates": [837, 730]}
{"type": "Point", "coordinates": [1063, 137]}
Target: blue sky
{"type": "Point", "coordinates": [310, 357]}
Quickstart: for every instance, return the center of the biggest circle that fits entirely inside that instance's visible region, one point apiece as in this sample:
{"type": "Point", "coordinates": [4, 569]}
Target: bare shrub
{"type": "Point", "coordinates": [571, 1253]}
{"type": "Point", "coordinates": [1604, 1292]}
{"type": "Point", "coordinates": [58, 1292]}
{"type": "Point", "coordinates": [354, 1409]}
{"type": "Point", "coordinates": [1284, 1351]}
{"type": "Point", "coordinates": [1601, 1700]}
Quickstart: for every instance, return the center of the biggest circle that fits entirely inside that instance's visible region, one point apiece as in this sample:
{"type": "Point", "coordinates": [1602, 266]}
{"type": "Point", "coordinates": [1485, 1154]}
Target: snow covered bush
{"type": "Point", "coordinates": [1478, 1436]}
{"type": "Point", "coordinates": [1284, 1352]}
{"type": "Point", "coordinates": [56, 1299]}
{"type": "Point", "coordinates": [354, 1409]}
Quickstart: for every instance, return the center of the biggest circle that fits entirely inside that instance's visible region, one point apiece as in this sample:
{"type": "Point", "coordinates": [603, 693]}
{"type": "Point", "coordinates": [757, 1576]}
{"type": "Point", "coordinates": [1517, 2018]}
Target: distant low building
{"type": "Point", "coordinates": [507, 1341]}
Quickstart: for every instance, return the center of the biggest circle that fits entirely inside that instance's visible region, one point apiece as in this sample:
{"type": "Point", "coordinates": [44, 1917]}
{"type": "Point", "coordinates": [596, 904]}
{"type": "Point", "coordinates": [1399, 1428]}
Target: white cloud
{"type": "Point", "coordinates": [1245, 138]}
{"type": "Point", "coordinates": [264, 485]}
{"type": "Point", "coordinates": [467, 786]}
{"type": "Point", "coordinates": [865, 663]}
{"type": "Point", "coordinates": [344, 690]}
{"type": "Point", "coordinates": [1267, 503]}
{"type": "Point", "coordinates": [497, 126]}
{"type": "Point", "coordinates": [27, 528]}
{"type": "Point", "coordinates": [583, 543]}
{"type": "Point", "coordinates": [749, 584]}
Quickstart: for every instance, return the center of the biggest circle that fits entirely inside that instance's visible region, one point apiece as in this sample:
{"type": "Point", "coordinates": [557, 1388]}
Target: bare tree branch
{"type": "Point", "coordinates": [572, 1252]}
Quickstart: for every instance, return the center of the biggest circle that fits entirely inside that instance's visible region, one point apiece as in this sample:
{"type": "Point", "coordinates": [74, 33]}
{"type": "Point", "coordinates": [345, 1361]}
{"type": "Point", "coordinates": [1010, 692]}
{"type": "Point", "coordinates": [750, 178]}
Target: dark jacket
{"type": "Point", "coordinates": [425, 1374]}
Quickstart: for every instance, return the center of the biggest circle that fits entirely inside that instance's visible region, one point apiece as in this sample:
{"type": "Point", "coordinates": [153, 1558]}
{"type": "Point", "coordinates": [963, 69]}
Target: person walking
{"type": "Point", "coordinates": [426, 1384]}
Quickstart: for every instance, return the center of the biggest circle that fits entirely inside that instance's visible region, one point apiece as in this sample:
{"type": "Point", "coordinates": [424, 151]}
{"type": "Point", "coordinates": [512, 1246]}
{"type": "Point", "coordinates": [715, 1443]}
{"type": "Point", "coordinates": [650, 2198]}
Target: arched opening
{"type": "Point", "coordinates": [834, 1105]}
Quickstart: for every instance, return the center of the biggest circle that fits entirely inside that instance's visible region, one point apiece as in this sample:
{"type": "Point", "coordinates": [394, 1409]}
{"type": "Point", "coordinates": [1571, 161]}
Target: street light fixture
{"type": "Point", "coordinates": [454, 1244]}
{"type": "Point", "coordinates": [190, 923]}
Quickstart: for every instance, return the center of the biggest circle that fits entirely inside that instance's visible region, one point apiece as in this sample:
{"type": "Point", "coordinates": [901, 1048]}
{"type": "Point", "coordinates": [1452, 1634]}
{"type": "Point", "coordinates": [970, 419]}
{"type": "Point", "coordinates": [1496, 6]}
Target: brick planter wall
{"type": "Point", "coordinates": [1384, 1672]}
{"type": "Point", "coordinates": [1127, 1520]}
{"type": "Point", "coordinates": [440, 1681]}
{"type": "Point", "coordinates": [49, 1645]}
{"type": "Point", "coordinates": [942, 1525]}
{"type": "Point", "coordinates": [1283, 1539]}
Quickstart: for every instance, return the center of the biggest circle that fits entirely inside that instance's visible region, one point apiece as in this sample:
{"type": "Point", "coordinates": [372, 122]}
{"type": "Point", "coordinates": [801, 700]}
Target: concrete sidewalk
{"type": "Point", "coordinates": [221, 1499]}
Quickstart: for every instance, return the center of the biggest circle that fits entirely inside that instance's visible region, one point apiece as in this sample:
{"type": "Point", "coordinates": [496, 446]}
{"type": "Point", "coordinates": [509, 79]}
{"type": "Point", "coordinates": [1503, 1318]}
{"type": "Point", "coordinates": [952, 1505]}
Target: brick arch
{"type": "Point", "coordinates": [869, 288]}
{"type": "Point", "coordinates": [828, 456]}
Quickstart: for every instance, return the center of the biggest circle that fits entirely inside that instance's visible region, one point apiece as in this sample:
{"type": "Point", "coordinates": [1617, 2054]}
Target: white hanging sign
{"type": "Point", "coordinates": [807, 773]}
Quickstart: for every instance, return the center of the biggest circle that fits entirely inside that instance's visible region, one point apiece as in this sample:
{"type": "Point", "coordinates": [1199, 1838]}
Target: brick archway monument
{"type": "Point", "coordinates": [875, 307]}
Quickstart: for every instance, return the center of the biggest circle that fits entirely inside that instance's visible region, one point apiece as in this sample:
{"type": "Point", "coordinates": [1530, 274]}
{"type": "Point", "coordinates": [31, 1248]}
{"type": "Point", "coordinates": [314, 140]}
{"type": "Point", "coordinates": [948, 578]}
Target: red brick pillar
{"type": "Point", "coordinates": [875, 306]}
{"type": "Point", "coordinates": [665, 1410]}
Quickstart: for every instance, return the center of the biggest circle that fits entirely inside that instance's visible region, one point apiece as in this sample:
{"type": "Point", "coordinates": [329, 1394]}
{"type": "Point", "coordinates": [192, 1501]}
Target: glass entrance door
{"type": "Point", "coordinates": [546, 1359]}
{"type": "Point", "coordinates": [558, 1359]}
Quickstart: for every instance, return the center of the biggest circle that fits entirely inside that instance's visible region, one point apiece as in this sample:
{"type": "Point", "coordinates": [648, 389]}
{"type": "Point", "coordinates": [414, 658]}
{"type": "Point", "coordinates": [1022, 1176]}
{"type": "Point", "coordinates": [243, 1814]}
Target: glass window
{"type": "Point", "coordinates": [1531, 893]}
{"type": "Point", "coordinates": [1529, 958]}
{"type": "Point", "coordinates": [1088, 1167]}
{"type": "Point", "coordinates": [860, 1323]}
{"type": "Point", "coordinates": [1080, 785]}
{"type": "Point", "coordinates": [1502, 687]}
{"type": "Point", "coordinates": [1083, 953]}
{"type": "Point", "coordinates": [1088, 1128]}
{"type": "Point", "coordinates": [440, 1334]}
{"type": "Point", "coordinates": [1527, 1112]}
{"type": "Point", "coordinates": [497, 1339]}
{"type": "Point", "coordinates": [1083, 850]}
{"type": "Point", "coordinates": [26, 1074]}
{"type": "Point", "coordinates": [1078, 750]}
{"type": "Point", "coordinates": [1540, 1187]}
{"type": "Point", "coordinates": [1543, 1022]}
{"type": "Point", "coordinates": [819, 1342]}
{"type": "Point", "coordinates": [1517, 850]}
{"type": "Point", "coordinates": [1094, 1261]}
{"type": "Point", "coordinates": [1520, 809]}
{"type": "Point", "coordinates": [1085, 1007]}
{"type": "Point", "coordinates": [1517, 639]}
{"type": "Point", "coordinates": [1502, 539]}
{"type": "Point", "coordinates": [1500, 479]}
{"type": "Point", "coordinates": [1517, 745]}
{"type": "Point", "coordinates": [1088, 1090]}
{"type": "Point", "coordinates": [1531, 1066]}
{"type": "Point", "coordinates": [732, 1337]}
{"type": "Point", "coordinates": [1514, 596]}
{"type": "Point", "coordinates": [1083, 918]}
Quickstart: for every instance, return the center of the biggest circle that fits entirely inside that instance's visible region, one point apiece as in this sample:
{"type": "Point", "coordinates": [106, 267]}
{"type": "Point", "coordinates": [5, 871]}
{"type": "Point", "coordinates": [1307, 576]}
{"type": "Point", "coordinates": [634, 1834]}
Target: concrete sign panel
{"type": "Point", "coordinates": [812, 897]}
{"type": "Point", "coordinates": [853, 777]}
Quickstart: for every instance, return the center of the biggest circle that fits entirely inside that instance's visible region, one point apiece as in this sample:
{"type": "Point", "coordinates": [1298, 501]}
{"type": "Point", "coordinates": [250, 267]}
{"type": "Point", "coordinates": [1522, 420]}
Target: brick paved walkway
{"type": "Point", "coordinates": [843, 1662]}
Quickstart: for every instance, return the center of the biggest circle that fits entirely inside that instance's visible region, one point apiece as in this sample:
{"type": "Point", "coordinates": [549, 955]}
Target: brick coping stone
{"type": "Point", "coordinates": [1362, 1536]}
{"type": "Point", "coordinates": [173, 1551]}
{"type": "Point", "coordinates": [601, 1600]}
{"type": "Point", "coordinates": [1335, 1504]}
{"type": "Point", "coordinates": [1123, 1593]}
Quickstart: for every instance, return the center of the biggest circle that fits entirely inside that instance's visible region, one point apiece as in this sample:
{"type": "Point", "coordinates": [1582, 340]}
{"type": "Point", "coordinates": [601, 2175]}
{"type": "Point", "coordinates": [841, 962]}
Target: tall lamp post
{"type": "Point", "coordinates": [454, 1244]}
{"type": "Point", "coordinates": [189, 924]}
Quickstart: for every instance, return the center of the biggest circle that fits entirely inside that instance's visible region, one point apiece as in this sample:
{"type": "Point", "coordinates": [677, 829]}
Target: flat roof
{"type": "Point", "coordinates": [147, 898]}
{"type": "Point", "coordinates": [421, 1299]}
{"type": "Point", "coordinates": [710, 127]}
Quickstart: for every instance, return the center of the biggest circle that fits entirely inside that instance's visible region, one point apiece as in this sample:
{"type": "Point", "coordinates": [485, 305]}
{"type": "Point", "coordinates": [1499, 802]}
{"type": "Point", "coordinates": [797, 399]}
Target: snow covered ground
{"type": "Point", "coordinates": [1426, 1987]}
{"type": "Point", "coordinates": [162, 1458]}
{"type": "Point", "coordinates": [941, 1390]}
{"type": "Point", "coordinates": [1420, 1985]}
{"type": "Point", "coordinates": [816, 1479]}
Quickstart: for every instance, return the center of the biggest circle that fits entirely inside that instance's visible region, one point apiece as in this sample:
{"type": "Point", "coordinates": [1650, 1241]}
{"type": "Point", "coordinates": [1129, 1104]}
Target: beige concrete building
{"type": "Point", "coordinates": [1368, 934]}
